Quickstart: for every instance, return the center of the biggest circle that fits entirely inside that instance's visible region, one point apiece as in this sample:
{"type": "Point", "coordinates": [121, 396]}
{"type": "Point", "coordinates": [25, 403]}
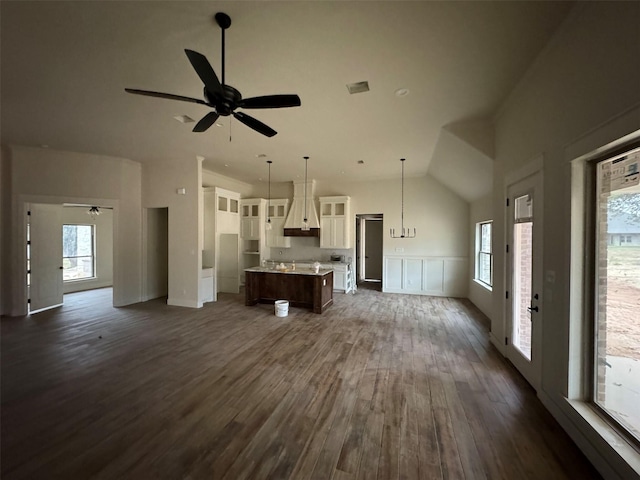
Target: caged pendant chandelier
{"type": "Point", "coordinates": [268, 224]}
{"type": "Point", "coordinates": [404, 233]}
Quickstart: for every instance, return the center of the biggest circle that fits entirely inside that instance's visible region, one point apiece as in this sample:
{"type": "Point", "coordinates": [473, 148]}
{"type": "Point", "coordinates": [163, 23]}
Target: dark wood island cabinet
{"type": "Point", "coordinates": [302, 288]}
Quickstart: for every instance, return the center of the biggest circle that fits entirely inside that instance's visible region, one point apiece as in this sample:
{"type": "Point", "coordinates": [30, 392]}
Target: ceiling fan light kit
{"type": "Point", "coordinates": [222, 98]}
{"type": "Point", "coordinates": [405, 232]}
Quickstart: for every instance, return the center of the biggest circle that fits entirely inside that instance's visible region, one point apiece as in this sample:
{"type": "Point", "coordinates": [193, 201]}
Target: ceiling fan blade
{"type": "Point", "coordinates": [165, 95]}
{"type": "Point", "coordinates": [257, 125]}
{"type": "Point", "coordinates": [205, 71]}
{"type": "Point", "coordinates": [271, 101]}
{"type": "Point", "coordinates": [205, 122]}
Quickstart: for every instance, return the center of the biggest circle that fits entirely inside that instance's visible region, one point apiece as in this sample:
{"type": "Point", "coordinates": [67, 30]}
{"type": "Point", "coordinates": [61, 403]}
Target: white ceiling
{"type": "Point", "coordinates": [65, 66]}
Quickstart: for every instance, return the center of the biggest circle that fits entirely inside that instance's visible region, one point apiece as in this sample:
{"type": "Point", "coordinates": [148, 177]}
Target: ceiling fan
{"type": "Point", "coordinates": [222, 98]}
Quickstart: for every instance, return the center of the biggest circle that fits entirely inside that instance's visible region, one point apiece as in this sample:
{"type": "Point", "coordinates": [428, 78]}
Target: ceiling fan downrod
{"type": "Point", "coordinates": [224, 22]}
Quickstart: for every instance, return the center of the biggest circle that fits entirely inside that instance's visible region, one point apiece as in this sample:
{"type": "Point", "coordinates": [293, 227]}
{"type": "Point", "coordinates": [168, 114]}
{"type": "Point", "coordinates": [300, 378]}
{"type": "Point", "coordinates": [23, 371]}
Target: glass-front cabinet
{"type": "Point", "coordinates": [335, 223]}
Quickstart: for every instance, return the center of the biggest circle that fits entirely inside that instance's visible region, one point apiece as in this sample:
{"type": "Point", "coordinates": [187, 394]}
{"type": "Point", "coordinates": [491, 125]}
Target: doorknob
{"type": "Point", "coordinates": [532, 309]}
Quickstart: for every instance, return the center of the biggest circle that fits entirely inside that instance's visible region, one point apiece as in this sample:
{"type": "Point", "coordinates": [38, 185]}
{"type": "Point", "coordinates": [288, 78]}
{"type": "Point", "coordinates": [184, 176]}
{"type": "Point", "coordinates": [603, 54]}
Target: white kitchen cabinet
{"type": "Point", "coordinates": [207, 287]}
{"type": "Point", "coordinates": [341, 276]}
{"type": "Point", "coordinates": [226, 228]}
{"type": "Point", "coordinates": [252, 233]}
{"type": "Point", "coordinates": [277, 211]}
{"type": "Point", "coordinates": [335, 222]}
{"type": "Point", "coordinates": [252, 218]}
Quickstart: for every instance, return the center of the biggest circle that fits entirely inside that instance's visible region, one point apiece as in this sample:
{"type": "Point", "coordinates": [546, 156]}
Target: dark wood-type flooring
{"type": "Point", "coordinates": [381, 386]}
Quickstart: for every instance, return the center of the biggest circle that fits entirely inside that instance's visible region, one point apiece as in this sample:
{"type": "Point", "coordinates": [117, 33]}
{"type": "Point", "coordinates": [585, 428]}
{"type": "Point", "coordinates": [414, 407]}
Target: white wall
{"type": "Point", "coordinates": [5, 218]}
{"type": "Point", "coordinates": [440, 216]}
{"type": "Point", "coordinates": [160, 185]}
{"type": "Point", "coordinates": [41, 175]}
{"type": "Point", "coordinates": [103, 244]}
{"type": "Point", "coordinates": [480, 211]}
{"type": "Point", "coordinates": [588, 76]}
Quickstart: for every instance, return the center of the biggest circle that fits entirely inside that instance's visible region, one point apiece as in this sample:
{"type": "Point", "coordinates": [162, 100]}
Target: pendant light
{"type": "Point", "coordinates": [405, 233]}
{"type": "Point", "coordinates": [305, 222]}
{"type": "Point", "coordinates": [268, 224]}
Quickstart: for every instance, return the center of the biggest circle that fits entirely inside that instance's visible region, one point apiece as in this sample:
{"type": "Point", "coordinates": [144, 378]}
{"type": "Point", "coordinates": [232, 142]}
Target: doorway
{"type": "Point", "coordinates": [369, 237]}
{"type": "Point", "coordinates": [68, 249]}
{"type": "Point", "coordinates": [157, 253]}
{"type": "Point", "coordinates": [524, 276]}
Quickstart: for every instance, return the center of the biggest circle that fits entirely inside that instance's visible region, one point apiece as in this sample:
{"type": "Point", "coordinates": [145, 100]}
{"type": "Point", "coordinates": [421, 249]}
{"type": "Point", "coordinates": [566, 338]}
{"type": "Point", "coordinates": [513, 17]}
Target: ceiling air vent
{"type": "Point", "coordinates": [184, 118]}
{"type": "Point", "coordinates": [358, 87]}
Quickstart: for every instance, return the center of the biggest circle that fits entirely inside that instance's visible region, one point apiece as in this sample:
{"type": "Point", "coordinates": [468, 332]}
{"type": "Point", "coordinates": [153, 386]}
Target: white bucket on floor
{"type": "Point", "coordinates": [282, 308]}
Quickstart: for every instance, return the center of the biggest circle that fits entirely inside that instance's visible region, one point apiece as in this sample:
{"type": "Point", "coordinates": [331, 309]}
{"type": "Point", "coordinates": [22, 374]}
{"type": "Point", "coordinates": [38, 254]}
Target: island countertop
{"type": "Point", "coordinates": [289, 271]}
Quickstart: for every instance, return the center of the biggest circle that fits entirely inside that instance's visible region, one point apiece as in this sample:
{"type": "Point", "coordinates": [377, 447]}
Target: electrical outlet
{"type": "Point", "coordinates": [399, 249]}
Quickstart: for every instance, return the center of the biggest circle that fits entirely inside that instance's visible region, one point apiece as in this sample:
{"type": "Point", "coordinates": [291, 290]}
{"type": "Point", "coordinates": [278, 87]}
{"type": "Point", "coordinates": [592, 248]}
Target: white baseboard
{"type": "Point", "coordinates": [184, 303]}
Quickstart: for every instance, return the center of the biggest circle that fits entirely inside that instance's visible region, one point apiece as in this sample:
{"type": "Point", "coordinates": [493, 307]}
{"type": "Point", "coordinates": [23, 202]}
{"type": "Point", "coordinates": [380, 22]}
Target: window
{"type": "Point", "coordinates": [78, 257]}
{"type": "Point", "coordinates": [484, 257]}
{"type": "Point", "coordinates": [616, 286]}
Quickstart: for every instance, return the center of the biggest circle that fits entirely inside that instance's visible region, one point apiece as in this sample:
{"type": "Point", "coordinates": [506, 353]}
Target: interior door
{"type": "Point", "coordinates": [524, 263]}
{"type": "Point", "coordinates": [373, 250]}
{"type": "Point", "coordinates": [45, 256]}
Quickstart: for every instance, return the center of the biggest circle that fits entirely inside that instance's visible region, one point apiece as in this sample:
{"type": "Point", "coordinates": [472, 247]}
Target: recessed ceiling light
{"type": "Point", "coordinates": [358, 87]}
{"type": "Point", "coordinates": [402, 92]}
{"type": "Point", "coordinates": [184, 118]}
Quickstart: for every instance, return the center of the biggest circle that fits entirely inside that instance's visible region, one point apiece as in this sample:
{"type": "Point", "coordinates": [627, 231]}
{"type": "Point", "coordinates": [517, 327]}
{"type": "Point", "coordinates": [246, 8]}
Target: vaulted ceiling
{"type": "Point", "coordinates": [65, 66]}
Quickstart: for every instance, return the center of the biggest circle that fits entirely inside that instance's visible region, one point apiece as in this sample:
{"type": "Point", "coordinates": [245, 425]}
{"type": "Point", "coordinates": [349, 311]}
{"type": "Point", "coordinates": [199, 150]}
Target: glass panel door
{"type": "Point", "coordinates": [524, 263]}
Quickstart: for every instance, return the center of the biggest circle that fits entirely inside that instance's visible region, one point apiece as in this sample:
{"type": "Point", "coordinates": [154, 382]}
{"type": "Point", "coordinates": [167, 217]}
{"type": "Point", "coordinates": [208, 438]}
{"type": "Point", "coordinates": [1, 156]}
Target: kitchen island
{"type": "Point", "coordinates": [302, 287]}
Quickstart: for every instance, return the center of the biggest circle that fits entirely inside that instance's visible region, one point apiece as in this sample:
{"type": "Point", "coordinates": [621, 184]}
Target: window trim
{"type": "Point", "coordinates": [93, 253]}
{"type": "Point", "coordinates": [479, 252]}
{"type": "Point", "coordinates": [590, 299]}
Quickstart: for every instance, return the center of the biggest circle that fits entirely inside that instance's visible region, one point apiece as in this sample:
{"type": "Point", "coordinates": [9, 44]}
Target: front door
{"type": "Point", "coordinates": [44, 249]}
{"type": "Point", "coordinates": [524, 263]}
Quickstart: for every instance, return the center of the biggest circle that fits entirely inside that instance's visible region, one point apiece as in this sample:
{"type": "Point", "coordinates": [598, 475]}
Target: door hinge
{"type": "Point", "coordinates": [506, 294]}
{"type": "Point", "coordinates": [507, 201]}
{"type": "Point", "coordinates": [28, 242]}
{"type": "Point", "coordinates": [506, 340]}
{"type": "Point", "coordinates": [507, 248]}
{"type": "Point", "coordinates": [28, 212]}
{"type": "Point", "coordinates": [28, 300]}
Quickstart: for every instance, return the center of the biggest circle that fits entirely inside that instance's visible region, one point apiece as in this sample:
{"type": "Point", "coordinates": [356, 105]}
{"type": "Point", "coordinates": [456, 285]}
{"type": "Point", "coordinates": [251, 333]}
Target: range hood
{"type": "Point", "coordinates": [294, 225]}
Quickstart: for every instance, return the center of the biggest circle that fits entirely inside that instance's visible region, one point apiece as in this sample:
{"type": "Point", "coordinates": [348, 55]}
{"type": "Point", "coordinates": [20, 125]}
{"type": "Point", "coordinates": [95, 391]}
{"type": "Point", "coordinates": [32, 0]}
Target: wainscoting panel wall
{"type": "Point", "coordinates": [440, 276]}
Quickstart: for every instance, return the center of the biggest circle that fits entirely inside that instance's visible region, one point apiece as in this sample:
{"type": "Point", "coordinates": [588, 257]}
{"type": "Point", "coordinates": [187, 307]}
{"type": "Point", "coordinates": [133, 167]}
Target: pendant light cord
{"type": "Point", "coordinates": [402, 200]}
{"type": "Point", "coordinates": [306, 159]}
{"type": "Point", "coordinates": [269, 194]}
